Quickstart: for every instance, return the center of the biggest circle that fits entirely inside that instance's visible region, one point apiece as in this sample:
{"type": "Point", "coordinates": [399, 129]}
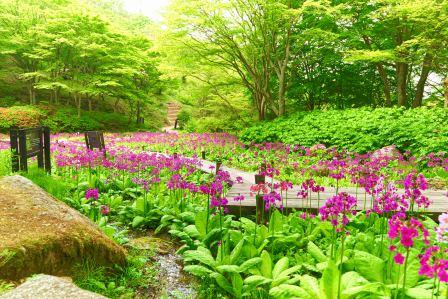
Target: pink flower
{"type": "Point", "coordinates": [337, 208]}
{"type": "Point", "coordinates": [92, 194]}
{"type": "Point", "coordinates": [399, 259]}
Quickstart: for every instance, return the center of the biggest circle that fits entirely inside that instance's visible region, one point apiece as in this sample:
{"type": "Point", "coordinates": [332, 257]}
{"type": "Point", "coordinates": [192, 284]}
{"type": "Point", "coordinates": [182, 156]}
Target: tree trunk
{"type": "Point", "coordinates": [426, 68]}
{"type": "Point", "coordinates": [386, 84]}
{"type": "Point", "coordinates": [402, 75]}
{"type": "Point", "coordinates": [90, 104]}
{"type": "Point", "coordinates": [78, 103]}
{"type": "Point", "coordinates": [446, 92]}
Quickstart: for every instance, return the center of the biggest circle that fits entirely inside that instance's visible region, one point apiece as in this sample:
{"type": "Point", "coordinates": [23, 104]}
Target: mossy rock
{"type": "Point", "coordinates": [39, 234]}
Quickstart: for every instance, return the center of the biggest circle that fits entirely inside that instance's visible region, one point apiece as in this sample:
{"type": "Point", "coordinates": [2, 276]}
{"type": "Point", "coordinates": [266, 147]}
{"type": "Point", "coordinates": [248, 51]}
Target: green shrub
{"type": "Point", "coordinates": [20, 116]}
{"type": "Point", "coordinates": [419, 130]}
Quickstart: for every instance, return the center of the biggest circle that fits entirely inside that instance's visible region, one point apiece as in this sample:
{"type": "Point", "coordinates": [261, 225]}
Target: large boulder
{"type": "Point", "coordinates": [49, 287]}
{"type": "Point", "coordinates": [39, 234]}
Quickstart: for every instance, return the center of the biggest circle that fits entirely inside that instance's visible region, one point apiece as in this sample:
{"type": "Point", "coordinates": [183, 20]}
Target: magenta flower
{"type": "Point", "coordinates": [434, 262]}
{"type": "Point", "coordinates": [104, 210]}
{"type": "Point", "coordinates": [92, 194]}
{"type": "Point", "coordinates": [399, 259]}
{"type": "Point", "coordinates": [337, 208]}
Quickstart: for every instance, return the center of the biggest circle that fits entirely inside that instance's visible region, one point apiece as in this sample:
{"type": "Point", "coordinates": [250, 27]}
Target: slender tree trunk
{"type": "Point", "coordinates": [77, 99]}
{"type": "Point", "coordinates": [402, 75]}
{"type": "Point", "coordinates": [386, 84]}
{"type": "Point", "coordinates": [426, 68]}
{"type": "Point", "coordinates": [90, 104]}
{"type": "Point", "coordinates": [446, 92]}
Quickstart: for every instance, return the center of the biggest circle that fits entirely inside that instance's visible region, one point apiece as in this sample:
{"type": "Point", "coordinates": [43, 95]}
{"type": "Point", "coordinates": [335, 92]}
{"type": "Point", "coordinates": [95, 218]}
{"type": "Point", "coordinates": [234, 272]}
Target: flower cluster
{"type": "Point", "coordinates": [337, 209]}
{"type": "Point", "coordinates": [414, 185]}
{"type": "Point", "coordinates": [406, 231]}
{"type": "Point", "coordinates": [92, 194]}
{"type": "Point", "coordinates": [307, 186]}
{"type": "Point", "coordinates": [434, 262]}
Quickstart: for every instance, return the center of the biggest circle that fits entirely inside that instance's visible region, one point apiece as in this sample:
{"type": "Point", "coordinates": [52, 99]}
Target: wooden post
{"type": "Point", "coordinates": [47, 150]}
{"type": "Point", "coordinates": [218, 166]}
{"type": "Point", "coordinates": [22, 151]}
{"type": "Point", "coordinates": [203, 155]}
{"type": "Point", "coordinates": [13, 136]}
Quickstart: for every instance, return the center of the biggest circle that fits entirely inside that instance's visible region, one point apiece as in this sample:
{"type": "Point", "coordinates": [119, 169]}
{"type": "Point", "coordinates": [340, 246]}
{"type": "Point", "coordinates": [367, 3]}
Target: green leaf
{"type": "Point", "coordinates": [200, 221]}
{"type": "Point", "coordinates": [280, 266]}
{"type": "Point", "coordinates": [229, 268]}
{"type": "Point", "coordinates": [369, 266]}
{"type": "Point", "coordinates": [201, 255]}
{"type": "Point", "coordinates": [137, 221]}
{"type": "Point", "coordinates": [237, 284]}
{"type": "Point", "coordinates": [419, 293]}
{"type": "Point", "coordinates": [310, 285]}
{"type": "Point", "coordinates": [236, 252]}
{"type": "Point", "coordinates": [266, 264]}
{"type": "Point", "coordinates": [197, 270]}
{"type": "Point", "coordinates": [250, 264]}
{"type": "Point", "coordinates": [286, 291]}
{"type": "Point", "coordinates": [256, 280]}
{"type": "Point", "coordinates": [316, 253]}
{"type": "Point", "coordinates": [329, 281]}
{"type": "Point", "coordinates": [223, 282]}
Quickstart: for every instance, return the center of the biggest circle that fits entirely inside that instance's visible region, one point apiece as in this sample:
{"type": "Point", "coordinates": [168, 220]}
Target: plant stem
{"type": "Point", "coordinates": [340, 265]}
{"type": "Point", "coordinates": [405, 266]}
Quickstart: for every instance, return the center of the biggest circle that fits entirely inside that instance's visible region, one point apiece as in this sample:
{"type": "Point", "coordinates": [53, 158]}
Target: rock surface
{"type": "Point", "coordinates": [39, 234]}
{"type": "Point", "coordinates": [49, 287]}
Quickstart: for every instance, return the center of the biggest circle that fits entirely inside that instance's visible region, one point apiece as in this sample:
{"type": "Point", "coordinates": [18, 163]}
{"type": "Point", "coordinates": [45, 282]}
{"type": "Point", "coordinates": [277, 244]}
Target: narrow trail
{"type": "Point", "coordinates": [173, 110]}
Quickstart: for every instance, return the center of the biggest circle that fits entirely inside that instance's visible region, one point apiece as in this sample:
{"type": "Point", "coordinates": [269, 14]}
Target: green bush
{"type": "Point", "coordinates": [20, 116]}
{"type": "Point", "coordinates": [420, 130]}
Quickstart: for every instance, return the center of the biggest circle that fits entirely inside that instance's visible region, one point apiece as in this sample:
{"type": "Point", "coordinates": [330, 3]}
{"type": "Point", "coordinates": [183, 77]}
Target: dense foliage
{"type": "Point", "coordinates": [390, 252]}
{"type": "Point", "coordinates": [421, 131]}
{"type": "Point", "coordinates": [64, 119]}
{"type": "Point", "coordinates": [287, 55]}
{"type": "Point", "coordinates": [89, 55]}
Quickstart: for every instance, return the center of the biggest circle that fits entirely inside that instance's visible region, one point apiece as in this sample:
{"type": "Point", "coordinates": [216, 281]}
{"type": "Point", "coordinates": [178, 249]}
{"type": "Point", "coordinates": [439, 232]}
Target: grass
{"type": "Point", "coordinates": [49, 183]}
{"type": "Point", "coordinates": [138, 277]}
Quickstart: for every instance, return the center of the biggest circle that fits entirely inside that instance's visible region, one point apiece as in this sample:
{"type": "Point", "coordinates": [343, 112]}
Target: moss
{"type": "Point", "coordinates": [46, 236]}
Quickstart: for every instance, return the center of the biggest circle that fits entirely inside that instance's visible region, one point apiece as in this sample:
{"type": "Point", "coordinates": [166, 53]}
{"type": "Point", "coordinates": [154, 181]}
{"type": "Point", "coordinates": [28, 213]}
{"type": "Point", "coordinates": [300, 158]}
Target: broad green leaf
{"type": "Point", "coordinates": [256, 280]}
{"type": "Point", "coordinates": [236, 252]}
{"type": "Point", "coordinates": [250, 264]}
{"type": "Point", "coordinates": [237, 284]}
{"type": "Point", "coordinates": [286, 291]}
{"type": "Point", "coordinates": [200, 222]}
{"type": "Point", "coordinates": [329, 281]}
{"type": "Point", "coordinates": [266, 264]}
{"type": "Point", "coordinates": [228, 268]}
{"type": "Point", "coordinates": [280, 266]}
{"type": "Point", "coordinates": [369, 266]}
{"type": "Point", "coordinates": [310, 285]}
{"type": "Point", "coordinates": [138, 220]}
{"type": "Point", "coordinates": [201, 255]}
{"type": "Point", "coordinates": [419, 293]}
{"type": "Point", "coordinates": [223, 282]}
{"type": "Point", "coordinates": [197, 270]}
{"type": "Point", "coordinates": [316, 253]}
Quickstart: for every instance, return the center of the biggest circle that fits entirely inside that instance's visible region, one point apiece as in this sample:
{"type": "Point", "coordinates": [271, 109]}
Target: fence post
{"type": "Point", "coordinates": [13, 135]}
{"type": "Point", "coordinates": [47, 149]}
{"type": "Point", "coordinates": [22, 151]}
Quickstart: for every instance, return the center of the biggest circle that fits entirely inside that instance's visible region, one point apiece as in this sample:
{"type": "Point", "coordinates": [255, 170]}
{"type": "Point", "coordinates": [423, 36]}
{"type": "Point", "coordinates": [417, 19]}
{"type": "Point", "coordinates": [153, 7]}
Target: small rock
{"type": "Point", "coordinates": [49, 287]}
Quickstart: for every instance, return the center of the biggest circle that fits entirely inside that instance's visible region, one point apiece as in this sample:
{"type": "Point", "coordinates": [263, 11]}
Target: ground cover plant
{"type": "Point", "coordinates": [390, 250]}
